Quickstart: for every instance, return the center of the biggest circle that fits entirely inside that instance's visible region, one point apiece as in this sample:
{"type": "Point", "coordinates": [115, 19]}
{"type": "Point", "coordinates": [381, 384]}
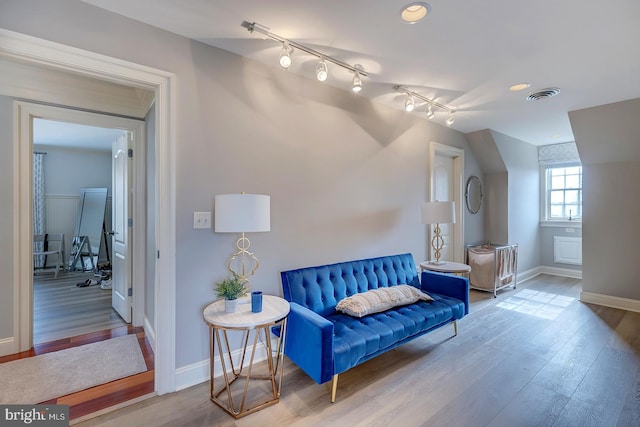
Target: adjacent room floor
{"type": "Point", "coordinates": [63, 309]}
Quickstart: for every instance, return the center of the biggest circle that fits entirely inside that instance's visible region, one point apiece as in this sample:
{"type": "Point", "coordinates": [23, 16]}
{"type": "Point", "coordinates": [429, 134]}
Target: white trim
{"type": "Point", "coordinates": [49, 54]}
{"type": "Point", "coordinates": [526, 275]}
{"type": "Point", "coordinates": [457, 154]}
{"type": "Point", "coordinates": [554, 271]}
{"type": "Point", "coordinates": [26, 112]}
{"type": "Point", "coordinates": [149, 333]}
{"type": "Point", "coordinates": [561, 224]}
{"type": "Point", "coordinates": [198, 372]}
{"type": "Point", "coordinates": [610, 301]}
{"type": "Point", "coordinates": [564, 272]}
{"type": "Point", "coordinates": [6, 346]}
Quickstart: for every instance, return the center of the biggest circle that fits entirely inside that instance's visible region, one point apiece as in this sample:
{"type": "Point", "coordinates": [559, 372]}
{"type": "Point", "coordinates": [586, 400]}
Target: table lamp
{"type": "Point", "coordinates": [438, 213]}
{"type": "Point", "coordinates": [242, 213]}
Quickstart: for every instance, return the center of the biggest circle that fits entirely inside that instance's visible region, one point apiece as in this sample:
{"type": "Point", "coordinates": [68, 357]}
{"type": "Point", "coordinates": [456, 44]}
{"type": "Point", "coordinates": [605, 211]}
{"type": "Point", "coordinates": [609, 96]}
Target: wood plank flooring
{"type": "Point", "coordinates": [62, 309]}
{"type": "Point", "coordinates": [534, 356]}
{"type": "Point", "coordinates": [107, 395]}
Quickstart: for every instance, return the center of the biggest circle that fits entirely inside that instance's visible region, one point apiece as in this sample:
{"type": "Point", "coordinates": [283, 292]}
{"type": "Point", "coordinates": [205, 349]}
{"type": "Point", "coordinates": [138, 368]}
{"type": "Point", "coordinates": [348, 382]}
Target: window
{"type": "Point", "coordinates": [564, 192]}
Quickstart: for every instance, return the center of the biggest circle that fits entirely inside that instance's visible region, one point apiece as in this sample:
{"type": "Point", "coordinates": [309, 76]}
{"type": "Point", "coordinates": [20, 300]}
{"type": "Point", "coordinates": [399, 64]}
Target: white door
{"type": "Point", "coordinates": [447, 177]}
{"type": "Point", "coordinates": [121, 196]}
{"type": "Point", "coordinates": [443, 191]}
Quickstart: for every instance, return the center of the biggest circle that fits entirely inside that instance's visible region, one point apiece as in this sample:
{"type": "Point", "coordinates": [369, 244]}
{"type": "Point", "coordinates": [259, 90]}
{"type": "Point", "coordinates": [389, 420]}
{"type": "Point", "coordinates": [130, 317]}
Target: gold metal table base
{"type": "Point", "coordinates": [275, 367]}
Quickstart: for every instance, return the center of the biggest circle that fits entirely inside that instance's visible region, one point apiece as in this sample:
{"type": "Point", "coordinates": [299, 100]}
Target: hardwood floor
{"type": "Point", "coordinates": [107, 395]}
{"type": "Point", "coordinates": [534, 356]}
{"type": "Point", "coordinates": [62, 309]}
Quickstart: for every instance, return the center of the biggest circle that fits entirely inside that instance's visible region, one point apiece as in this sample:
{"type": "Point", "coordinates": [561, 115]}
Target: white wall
{"type": "Point", "coordinates": [346, 176]}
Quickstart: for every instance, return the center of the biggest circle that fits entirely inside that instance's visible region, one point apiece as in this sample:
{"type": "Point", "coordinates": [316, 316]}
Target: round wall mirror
{"type": "Point", "coordinates": [473, 194]}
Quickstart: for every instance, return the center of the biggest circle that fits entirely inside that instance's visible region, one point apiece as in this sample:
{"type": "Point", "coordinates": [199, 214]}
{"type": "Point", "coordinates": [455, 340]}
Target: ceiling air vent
{"type": "Point", "coordinates": [543, 94]}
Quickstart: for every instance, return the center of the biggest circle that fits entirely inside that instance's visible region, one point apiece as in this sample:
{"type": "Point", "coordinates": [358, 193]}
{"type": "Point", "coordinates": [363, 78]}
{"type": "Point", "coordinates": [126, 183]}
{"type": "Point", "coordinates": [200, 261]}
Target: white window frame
{"type": "Point", "coordinates": [545, 219]}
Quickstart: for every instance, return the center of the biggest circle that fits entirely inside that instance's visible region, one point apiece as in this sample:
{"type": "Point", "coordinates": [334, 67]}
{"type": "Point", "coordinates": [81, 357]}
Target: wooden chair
{"type": "Point", "coordinates": [53, 245]}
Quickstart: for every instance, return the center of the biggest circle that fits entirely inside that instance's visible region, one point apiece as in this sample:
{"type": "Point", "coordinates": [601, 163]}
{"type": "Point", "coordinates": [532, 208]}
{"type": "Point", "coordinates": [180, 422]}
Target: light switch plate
{"type": "Point", "coordinates": [201, 220]}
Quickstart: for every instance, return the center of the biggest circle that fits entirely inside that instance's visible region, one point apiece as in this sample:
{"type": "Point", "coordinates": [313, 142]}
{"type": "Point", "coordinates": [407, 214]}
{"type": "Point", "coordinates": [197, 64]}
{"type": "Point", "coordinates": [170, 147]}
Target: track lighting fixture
{"type": "Point", "coordinates": [357, 81]}
{"type": "Point", "coordinates": [431, 103]}
{"type": "Point", "coordinates": [450, 120]}
{"type": "Point", "coordinates": [409, 104]}
{"type": "Point", "coordinates": [430, 113]}
{"type": "Point", "coordinates": [285, 55]}
{"type": "Point", "coordinates": [322, 72]}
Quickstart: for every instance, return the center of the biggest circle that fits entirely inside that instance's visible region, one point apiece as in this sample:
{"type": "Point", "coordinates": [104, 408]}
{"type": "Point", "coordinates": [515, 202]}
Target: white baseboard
{"type": "Point", "coordinates": [555, 271]}
{"type": "Point", "coordinates": [610, 301]}
{"type": "Point", "coordinates": [150, 333]}
{"type": "Point", "coordinates": [526, 275]}
{"type": "Point", "coordinates": [565, 272]}
{"type": "Point", "coordinates": [198, 372]}
{"type": "Point", "coordinates": [6, 346]}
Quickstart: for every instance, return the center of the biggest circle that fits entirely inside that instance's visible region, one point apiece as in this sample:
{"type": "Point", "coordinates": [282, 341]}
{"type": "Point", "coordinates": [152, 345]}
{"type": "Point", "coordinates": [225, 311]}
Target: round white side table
{"type": "Point", "coordinates": [274, 313]}
{"type": "Point", "coordinates": [447, 267]}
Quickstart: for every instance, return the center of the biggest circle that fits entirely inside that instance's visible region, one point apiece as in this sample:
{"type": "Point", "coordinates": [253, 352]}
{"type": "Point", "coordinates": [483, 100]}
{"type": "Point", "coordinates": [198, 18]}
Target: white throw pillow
{"type": "Point", "coordinates": [381, 299]}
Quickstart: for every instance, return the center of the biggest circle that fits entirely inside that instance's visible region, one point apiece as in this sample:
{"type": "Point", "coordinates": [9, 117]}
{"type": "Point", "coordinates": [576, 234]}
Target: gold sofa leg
{"type": "Point", "coordinates": [455, 328]}
{"type": "Point", "coordinates": [334, 388]}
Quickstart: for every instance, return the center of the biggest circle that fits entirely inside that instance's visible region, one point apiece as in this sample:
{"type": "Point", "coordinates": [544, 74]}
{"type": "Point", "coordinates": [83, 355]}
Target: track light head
{"type": "Point", "coordinates": [409, 104]}
{"type": "Point", "coordinates": [321, 71]}
{"type": "Point", "coordinates": [357, 81]}
{"type": "Point", "coordinates": [285, 55]}
{"type": "Point", "coordinates": [430, 112]}
{"type": "Point", "coordinates": [451, 119]}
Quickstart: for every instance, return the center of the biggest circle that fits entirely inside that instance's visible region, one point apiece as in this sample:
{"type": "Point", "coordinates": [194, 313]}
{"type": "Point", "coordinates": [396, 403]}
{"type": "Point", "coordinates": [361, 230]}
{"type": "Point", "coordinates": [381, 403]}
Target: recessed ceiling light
{"type": "Point", "coordinates": [415, 12]}
{"type": "Point", "coordinates": [519, 86]}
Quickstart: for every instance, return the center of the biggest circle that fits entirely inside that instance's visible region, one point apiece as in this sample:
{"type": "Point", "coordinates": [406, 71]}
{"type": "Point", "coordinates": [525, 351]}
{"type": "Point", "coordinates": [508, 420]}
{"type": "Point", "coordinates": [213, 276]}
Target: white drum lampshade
{"type": "Point", "coordinates": [242, 213]}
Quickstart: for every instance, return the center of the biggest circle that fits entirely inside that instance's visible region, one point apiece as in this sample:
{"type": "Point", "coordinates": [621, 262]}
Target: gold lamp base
{"type": "Point", "coordinates": [437, 243]}
{"type": "Point", "coordinates": [243, 244]}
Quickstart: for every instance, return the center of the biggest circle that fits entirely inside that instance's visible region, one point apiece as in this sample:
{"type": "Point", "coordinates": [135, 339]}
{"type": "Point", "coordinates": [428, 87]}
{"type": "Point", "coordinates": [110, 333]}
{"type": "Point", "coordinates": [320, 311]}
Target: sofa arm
{"type": "Point", "coordinates": [309, 342]}
{"type": "Point", "coordinates": [446, 284]}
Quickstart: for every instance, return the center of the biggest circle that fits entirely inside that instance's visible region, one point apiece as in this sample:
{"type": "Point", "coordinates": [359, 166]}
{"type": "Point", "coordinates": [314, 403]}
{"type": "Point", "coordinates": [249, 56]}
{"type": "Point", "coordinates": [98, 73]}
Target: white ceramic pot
{"type": "Point", "coordinates": [230, 305]}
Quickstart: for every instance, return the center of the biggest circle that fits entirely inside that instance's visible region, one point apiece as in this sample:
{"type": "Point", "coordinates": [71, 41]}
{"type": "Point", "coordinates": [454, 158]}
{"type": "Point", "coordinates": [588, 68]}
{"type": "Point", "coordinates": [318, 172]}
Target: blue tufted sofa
{"type": "Point", "coordinates": [325, 343]}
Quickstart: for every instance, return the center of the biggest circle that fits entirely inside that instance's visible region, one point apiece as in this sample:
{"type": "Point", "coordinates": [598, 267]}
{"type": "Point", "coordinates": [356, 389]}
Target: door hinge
{"type": "Point", "coordinates": [130, 292]}
{"type": "Point", "coordinates": [130, 152]}
{"type": "Point", "coordinates": [158, 254]}
{"type": "Point", "coordinates": [130, 222]}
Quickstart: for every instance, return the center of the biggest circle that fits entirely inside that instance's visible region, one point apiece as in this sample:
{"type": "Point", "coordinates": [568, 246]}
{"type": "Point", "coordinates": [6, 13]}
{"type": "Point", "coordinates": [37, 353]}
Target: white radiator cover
{"type": "Point", "coordinates": [567, 250]}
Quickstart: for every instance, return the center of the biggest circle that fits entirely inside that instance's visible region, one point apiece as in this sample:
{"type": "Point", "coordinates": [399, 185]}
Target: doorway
{"type": "Point", "coordinates": [28, 113]}
{"type": "Point", "coordinates": [76, 163]}
{"type": "Point", "coordinates": [446, 165]}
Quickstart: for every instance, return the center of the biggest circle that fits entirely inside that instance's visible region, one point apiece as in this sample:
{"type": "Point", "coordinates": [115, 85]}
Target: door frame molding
{"type": "Point", "coordinates": [65, 58]}
{"type": "Point", "coordinates": [24, 113]}
{"type": "Point", "coordinates": [457, 154]}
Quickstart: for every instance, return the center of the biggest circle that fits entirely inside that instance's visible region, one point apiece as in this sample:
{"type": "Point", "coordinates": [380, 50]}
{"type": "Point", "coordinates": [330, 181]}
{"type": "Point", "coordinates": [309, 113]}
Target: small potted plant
{"type": "Point", "coordinates": [231, 289]}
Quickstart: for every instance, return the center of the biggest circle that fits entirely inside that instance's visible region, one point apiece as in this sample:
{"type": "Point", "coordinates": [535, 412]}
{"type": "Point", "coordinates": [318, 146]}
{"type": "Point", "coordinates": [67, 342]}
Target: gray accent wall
{"type": "Point", "coordinates": [523, 186]}
{"type": "Point", "coordinates": [608, 140]}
